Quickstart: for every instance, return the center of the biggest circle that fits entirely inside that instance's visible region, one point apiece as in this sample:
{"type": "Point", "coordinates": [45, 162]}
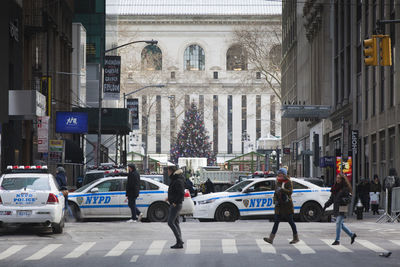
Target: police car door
{"type": "Point", "coordinates": [106, 201]}
{"type": "Point", "coordinates": [125, 210]}
{"type": "Point", "coordinates": [259, 198]}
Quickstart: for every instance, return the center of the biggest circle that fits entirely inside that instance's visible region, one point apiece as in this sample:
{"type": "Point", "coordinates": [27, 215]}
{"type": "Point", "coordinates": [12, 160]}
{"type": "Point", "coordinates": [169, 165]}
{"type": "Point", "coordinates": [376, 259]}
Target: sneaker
{"type": "Point", "coordinates": [335, 243]}
{"type": "Point", "coordinates": [131, 221]}
{"type": "Point", "coordinates": [177, 245]}
{"type": "Point", "coordinates": [353, 237]}
{"type": "Point", "coordinates": [140, 217]}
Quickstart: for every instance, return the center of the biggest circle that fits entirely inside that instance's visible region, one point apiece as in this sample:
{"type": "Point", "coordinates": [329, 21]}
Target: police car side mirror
{"type": "Point", "coordinates": [94, 190]}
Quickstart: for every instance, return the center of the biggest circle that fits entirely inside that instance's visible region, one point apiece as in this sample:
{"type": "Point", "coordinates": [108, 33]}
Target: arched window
{"type": "Point", "coordinates": [194, 58]}
{"type": "Point", "coordinates": [151, 58]}
{"type": "Point", "coordinates": [236, 58]}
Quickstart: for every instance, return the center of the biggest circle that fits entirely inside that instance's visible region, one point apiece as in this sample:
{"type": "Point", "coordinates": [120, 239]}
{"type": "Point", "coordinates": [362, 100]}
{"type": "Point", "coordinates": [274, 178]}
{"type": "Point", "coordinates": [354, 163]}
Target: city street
{"type": "Point", "coordinates": [117, 243]}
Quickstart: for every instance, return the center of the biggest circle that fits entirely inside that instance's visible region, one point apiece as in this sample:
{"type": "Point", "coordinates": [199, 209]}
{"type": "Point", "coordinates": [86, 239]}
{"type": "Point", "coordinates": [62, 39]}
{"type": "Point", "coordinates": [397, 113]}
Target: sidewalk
{"type": "Point", "coordinates": [367, 217]}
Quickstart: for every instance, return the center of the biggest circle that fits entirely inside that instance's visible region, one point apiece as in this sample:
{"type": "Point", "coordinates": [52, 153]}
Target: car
{"type": "Point", "coordinates": [93, 175]}
{"type": "Point", "coordinates": [317, 181]}
{"type": "Point", "coordinates": [30, 195]}
{"type": "Point", "coordinates": [254, 197]}
{"type": "Point", "coordinates": [105, 198]}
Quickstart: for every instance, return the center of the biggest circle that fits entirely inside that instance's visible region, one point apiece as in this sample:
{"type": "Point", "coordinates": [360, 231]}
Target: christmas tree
{"type": "Point", "coordinates": [193, 140]}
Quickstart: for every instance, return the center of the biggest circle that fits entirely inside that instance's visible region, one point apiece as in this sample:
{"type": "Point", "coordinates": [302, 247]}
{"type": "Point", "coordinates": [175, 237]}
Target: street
{"type": "Point", "coordinates": [117, 243]}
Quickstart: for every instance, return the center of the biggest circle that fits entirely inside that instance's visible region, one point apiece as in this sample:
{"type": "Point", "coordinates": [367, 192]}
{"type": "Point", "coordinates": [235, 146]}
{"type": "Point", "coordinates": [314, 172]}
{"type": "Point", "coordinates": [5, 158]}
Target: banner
{"type": "Point", "coordinates": [71, 122]}
{"type": "Point", "coordinates": [43, 134]}
{"type": "Point", "coordinates": [56, 151]}
{"type": "Point", "coordinates": [347, 167]}
{"type": "Point", "coordinates": [112, 71]}
{"type": "Point", "coordinates": [133, 105]}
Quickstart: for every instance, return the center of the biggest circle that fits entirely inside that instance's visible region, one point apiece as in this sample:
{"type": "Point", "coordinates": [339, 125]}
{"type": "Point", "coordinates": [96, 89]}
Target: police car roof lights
{"type": "Point", "coordinates": [26, 169]}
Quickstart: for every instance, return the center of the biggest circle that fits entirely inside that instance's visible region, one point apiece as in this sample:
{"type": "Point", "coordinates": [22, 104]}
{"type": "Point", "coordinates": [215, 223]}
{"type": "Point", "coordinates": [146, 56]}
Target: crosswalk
{"type": "Point", "coordinates": [191, 247]}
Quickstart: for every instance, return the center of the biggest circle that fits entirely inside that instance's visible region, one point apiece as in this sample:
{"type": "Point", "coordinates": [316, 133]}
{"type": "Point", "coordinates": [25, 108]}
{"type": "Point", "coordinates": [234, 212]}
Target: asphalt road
{"type": "Point", "coordinates": [117, 243]}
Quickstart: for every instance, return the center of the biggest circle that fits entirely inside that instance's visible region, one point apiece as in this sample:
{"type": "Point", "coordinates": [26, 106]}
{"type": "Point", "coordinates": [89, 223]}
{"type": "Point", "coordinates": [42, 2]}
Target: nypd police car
{"type": "Point", "coordinates": [30, 195]}
{"type": "Point", "coordinates": [254, 197]}
{"type": "Point", "coordinates": [105, 197]}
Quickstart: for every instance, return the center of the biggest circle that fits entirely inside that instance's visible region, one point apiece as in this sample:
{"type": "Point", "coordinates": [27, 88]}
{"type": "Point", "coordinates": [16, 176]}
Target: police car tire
{"type": "Point", "coordinates": [76, 212]}
{"type": "Point", "coordinates": [311, 206]}
{"type": "Point", "coordinates": [151, 214]}
{"type": "Point", "coordinates": [223, 209]}
{"type": "Point", "coordinates": [58, 227]}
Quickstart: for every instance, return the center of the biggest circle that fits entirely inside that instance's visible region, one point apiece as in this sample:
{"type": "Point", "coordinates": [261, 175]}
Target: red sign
{"type": "Point", "coordinates": [347, 167]}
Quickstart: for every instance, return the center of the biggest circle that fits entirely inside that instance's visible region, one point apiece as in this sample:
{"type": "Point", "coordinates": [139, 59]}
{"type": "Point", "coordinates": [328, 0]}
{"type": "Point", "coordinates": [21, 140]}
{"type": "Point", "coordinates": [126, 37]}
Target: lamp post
{"type": "Point", "coordinates": [102, 54]}
{"type": "Point", "coordinates": [133, 92]}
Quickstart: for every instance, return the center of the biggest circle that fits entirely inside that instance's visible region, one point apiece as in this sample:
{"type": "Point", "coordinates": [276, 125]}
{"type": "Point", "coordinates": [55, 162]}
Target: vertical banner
{"type": "Point", "coordinates": [133, 105]}
{"type": "Point", "coordinates": [43, 134]}
{"type": "Point", "coordinates": [112, 71]}
{"type": "Point", "coordinates": [347, 166]}
{"type": "Point", "coordinates": [45, 89]}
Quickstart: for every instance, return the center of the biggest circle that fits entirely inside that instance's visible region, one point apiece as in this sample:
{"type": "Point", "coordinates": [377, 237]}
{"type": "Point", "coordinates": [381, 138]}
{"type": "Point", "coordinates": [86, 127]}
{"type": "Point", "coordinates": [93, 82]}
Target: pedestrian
{"type": "Point", "coordinates": [209, 186]}
{"type": "Point", "coordinates": [61, 179]}
{"type": "Point", "coordinates": [363, 190]}
{"type": "Point", "coordinates": [374, 194]}
{"type": "Point", "coordinates": [132, 192]}
{"type": "Point", "coordinates": [392, 180]}
{"type": "Point", "coordinates": [283, 205]}
{"type": "Point", "coordinates": [176, 193]}
{"type": "Point", "coordinates": [340, 197]}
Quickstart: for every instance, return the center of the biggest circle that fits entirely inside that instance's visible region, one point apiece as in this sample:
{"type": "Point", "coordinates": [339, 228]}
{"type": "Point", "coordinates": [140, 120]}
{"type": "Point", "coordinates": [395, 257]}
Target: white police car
{"type": "Point", "coordinates": [30, 195]}
{"type": "Point", "coordinates": [105, 197]}
{"type": "Point", "coordinates": [254, 197]}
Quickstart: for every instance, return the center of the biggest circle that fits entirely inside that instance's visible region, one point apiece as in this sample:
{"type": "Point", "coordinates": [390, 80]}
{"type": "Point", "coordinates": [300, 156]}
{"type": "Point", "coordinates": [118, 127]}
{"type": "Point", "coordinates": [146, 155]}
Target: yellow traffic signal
{"type": "Point", "coordinates": [370, 52]}
{"type": "Point", "coordinates": [386, 51]}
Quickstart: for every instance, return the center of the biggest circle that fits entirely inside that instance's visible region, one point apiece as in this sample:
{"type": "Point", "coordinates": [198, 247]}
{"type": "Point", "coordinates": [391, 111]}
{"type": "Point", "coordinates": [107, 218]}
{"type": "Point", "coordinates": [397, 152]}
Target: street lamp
{"type": "Point", "coordinates": [102, 54]}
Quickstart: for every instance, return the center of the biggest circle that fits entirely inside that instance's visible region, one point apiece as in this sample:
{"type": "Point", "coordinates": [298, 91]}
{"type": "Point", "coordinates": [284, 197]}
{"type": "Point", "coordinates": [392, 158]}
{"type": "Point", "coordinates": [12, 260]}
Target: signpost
{"type": "Point", "coordinates": [112, 71]}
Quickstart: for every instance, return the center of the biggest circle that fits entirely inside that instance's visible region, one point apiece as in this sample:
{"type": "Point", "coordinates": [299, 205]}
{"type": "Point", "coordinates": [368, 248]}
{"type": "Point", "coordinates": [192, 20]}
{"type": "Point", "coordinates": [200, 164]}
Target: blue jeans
{"type": "Point", "coordinates": [277, 219]}
{"type": "Point", "coordinates": [339, 226]}
{"type": "Point", "coordinates": [132, 205]}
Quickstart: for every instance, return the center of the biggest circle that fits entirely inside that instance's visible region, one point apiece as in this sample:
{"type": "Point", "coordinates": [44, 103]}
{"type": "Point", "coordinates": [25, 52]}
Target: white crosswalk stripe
{"type": "Point", "coordinates": [339, 248]}
{"type": "Point", "coordinates": [43, 252]}
{"type": "Point", "coordinates": [10, 251]}
{"type": "Point", "coordinates": [156, 247]}
{"type": "Point", "coordinates": [397, 242]}
{"type": "Point", "coordinates": [134, 258]}
{"type": "Point", "coordinates": [265, 247]}
{"type": "Point", "coordinates": [193, 246]}
{"type": "Point", "coordinates": [229, 246]}
{"type": "Point", "coordinates": [119, 249]}
{"type": "Point", "coordinates": [370, 245]}
{"type": "Point", "coordinates": [287, 257]}
{"type": "Point", "coordinates": [80, 250]}
{"type": "Point", "coordinates": [303, 248]}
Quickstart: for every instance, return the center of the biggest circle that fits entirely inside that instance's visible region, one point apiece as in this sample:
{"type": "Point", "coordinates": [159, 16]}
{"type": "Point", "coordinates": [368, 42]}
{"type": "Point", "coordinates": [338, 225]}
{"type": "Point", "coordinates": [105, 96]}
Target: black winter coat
{"type": "Point", "coordinates": [336, 199]}
{"type": "Point", "coordinates": [176, 189]}
{"type": "Point", "coordinates": [133, 184]}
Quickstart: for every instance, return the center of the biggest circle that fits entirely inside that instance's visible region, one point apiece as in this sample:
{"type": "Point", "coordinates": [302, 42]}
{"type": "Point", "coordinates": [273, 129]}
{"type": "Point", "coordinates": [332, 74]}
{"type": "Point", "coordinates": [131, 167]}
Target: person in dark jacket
{"type": "Point", "coordinates": [283, 205]}
{"type": "Point", "coordinates": [391, 181]}
{"type": "Point", "coordinates": [132, 192]}
{"type": "Point", "coordinates": [209, 186]}
{"type": "Point", "coordinates": [176, 194]}
{"type": "Point", "coordinates": [61, 180]}
{"type": "Point", "coordinates": [375, 191]}
{"type": "Point", "coordinates": [363, 193]}
{"type": "Point", "coordinates": [340, 189]}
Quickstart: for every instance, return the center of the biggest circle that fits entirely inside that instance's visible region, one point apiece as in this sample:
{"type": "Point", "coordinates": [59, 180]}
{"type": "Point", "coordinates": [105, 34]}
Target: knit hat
{"type": "Point", "coordinates": [282, 171]}
{"type": "Point", "coordinates": [60, 169]}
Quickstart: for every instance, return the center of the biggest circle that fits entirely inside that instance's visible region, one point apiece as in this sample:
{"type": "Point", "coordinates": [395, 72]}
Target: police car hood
{"type": "Point", "coordinates": [211, 196]}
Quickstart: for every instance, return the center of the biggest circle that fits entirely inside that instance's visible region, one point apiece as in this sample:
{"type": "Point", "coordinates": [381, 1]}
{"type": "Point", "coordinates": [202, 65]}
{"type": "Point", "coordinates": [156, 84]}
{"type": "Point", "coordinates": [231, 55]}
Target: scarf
{"type": "Point", "coordinates": [282, 180]}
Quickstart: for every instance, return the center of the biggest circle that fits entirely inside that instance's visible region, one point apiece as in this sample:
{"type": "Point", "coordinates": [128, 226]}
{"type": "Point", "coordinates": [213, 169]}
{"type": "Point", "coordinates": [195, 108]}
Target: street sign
{"type": "Point", "coordinates": [43, 134]}
{"type": "Point", "coordinates": [112, 71]}
{"type": "Point", "coordinates": [133, 105]}
{"type": "Point", "coordinates": [354, 141]}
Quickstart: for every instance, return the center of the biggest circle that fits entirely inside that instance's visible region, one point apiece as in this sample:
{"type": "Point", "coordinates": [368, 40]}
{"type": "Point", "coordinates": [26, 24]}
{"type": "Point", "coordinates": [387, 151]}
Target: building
{"type": "Point", "coordinates": [197, 60]}
{"type": "Point", "coordinates": [323, 64]}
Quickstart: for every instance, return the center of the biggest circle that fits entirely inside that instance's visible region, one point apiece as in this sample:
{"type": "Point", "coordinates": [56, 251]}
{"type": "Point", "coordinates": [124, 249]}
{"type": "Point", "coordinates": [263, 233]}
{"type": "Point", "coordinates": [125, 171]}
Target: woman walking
{"type": "Point", "coordinates": [176, 194]}
{"type": "Point", "coordinates": [374, 194]}
{"type": "Point", "coordinates": [340, 194]}
{"type": "Point", "coordinates": [283, 205]}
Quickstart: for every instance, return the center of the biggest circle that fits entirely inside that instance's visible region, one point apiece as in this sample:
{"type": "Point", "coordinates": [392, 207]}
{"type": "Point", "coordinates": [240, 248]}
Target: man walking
{"type": "Point", "coordinates": [132, 192]}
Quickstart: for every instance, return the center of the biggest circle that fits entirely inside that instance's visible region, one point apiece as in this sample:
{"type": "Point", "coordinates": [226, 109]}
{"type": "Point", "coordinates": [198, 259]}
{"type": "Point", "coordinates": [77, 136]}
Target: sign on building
{"type": "Point", "coordinates": [354, 141]}
{"type": "Point", "coordinates": [56, 151]}
{"type": "Point", "coordinates": [112, 70]}
{"type": "Point", "coordinates": [71, 122]}
{"type": "Point", "coordinates": [43, 134]}
{"type": "Point", "coordinates": [133, 106]}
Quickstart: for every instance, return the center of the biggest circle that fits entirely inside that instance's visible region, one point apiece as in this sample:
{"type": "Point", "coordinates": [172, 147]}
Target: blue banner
{"type": "Point", "coordinates": [71, 122]}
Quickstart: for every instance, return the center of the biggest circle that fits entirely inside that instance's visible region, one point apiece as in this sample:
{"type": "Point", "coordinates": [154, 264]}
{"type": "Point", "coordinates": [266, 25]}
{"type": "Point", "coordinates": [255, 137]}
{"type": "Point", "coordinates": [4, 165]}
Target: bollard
{"type": "Point", "coordinates": [359, 210]}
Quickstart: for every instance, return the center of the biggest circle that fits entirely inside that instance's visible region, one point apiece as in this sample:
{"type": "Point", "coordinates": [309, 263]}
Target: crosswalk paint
{"type": "Point", "coordinates": [119, 249]}
{"type": "Point", "coordinates": [287, 257]}
{"type": "Point", "coordinates": [229, 246]}
{"type": "Point", "coordinates": [10, 251]}
{"type": "Point", "coordinates": [43, 252]}
{"type": "Point", "coordinates": [80, 250]}
{"type": "Point", "coordinates": [265, 247]}
{"type": "Point", "coordinates": [134, 258]}
{"type": "Point", "coordinates": [370, 245]}
{"type": "Point", "coordinates": [303, 248]}
{"type": "Point", "coordinates": [156, 247]}
{"type": "Point", "coordinates": [192, 246]}
{"type": "Point", "coordinates": [339, 248]}
{"type": "Point", "coordinates": [397, 242]}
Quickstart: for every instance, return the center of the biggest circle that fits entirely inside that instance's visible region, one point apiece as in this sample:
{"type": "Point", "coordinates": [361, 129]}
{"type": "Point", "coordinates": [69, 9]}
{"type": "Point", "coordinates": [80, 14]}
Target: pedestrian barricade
{"type": "Point", "coordinates": [394, 213]}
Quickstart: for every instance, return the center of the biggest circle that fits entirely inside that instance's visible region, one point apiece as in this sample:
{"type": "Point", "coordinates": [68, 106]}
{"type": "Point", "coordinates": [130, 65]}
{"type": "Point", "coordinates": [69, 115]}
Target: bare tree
{"type": "Point", "coordinates": [263, 48]}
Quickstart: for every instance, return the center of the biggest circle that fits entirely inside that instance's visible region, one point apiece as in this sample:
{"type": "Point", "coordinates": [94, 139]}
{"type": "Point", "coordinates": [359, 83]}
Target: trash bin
{"type": "Point", "coordinates": [359, 210]}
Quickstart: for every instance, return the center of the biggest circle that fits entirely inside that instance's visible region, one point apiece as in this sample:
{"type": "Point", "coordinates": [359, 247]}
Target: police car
{"type": "Point", "coordinates": [30, 195]}
{"type": "Point", "coordinates": [105, 197]}
{"type": "Point", "coordinates": [254, 197]}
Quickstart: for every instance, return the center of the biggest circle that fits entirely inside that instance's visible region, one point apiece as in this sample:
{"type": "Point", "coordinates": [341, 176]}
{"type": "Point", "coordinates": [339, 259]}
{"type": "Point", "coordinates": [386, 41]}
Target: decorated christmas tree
{"type": "Point", "coordinates": [193, 140]}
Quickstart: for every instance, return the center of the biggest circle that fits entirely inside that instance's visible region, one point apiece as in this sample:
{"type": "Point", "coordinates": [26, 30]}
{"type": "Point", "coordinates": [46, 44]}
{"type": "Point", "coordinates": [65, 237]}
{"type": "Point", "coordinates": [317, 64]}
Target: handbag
{"type": "Point", "coordinates": [343, 208]}
{"type": "Point", "coordinates": [345, 200]}
{"type": "Point", "coordinates": [65, 193]}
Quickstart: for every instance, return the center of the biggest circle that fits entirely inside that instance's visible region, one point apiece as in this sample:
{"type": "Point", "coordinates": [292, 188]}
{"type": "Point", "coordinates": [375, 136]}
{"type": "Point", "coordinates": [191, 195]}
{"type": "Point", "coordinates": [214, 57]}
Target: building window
{"type": "Point", "coordinates": [273, 115]}
{"type": "Point", "coordinates": [366, 157]}
{"type": "Point", "coordinates": [172, 74]}
{"type": "Point", "coordinates": [172, 120]}
{"type": "Point", "coordinates": [158, 124]}
{"type": "Point", "coordinates": [201, 104]}
{"type": "Point", "coordinates": [151, 58]}
{"type": "Point", "coordinates": [230, 124]}
{"type": "Point", "coordinates": [144, 119]}
{"type": "Point", "coordinates": [374, 153]}
{"type": "Point", "coordinates": [258, 75]}
{"type": "Point", "coordinates": [215, 123]}
{"type": "Point", "coordinates": [215, 74]}
{"type": "Point", "coordinates": [194, 58]}
{"type": "Point", "coordinates": [392, 147]}
{"type": "Point", "coordinates": [236, 58]}
{"type": "Point", "coordinates": [244, 120]}
{"type": "Point", "coordinates": [258, 117]}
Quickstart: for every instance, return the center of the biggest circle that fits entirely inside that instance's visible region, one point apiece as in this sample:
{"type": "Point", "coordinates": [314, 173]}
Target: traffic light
{"type": "Point", "coordinates": [370, 52]}
{"type": "Point", "coordinates": [386, 51]}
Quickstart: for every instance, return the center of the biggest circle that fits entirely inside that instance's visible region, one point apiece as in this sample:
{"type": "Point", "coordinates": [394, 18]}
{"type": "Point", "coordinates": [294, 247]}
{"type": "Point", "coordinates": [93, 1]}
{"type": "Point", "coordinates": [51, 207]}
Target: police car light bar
{"type": "Point", "coordinates": [16, 167]}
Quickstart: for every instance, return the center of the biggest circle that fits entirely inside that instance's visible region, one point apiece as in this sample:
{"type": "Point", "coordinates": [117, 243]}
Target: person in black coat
{"type": "Point", "coordinates": [176, 194]}
{"type": "Point", "coordinates": [209, 186]}
{"type": "Point", "coordinates": [132, 192]}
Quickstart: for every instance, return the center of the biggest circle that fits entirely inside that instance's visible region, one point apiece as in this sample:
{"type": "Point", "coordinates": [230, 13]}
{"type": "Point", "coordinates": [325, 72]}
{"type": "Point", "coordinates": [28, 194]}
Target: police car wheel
{"type": "Point", "coordinates": [227, 213]}
{"type": "Point", "coordinates": [76, 212]}
{"type": "Point", "coordinates": [158, 212]}
{"type": "Point", "coordinates": [311, 212]}
{"type": "Point", "coordinates": [58, 227]}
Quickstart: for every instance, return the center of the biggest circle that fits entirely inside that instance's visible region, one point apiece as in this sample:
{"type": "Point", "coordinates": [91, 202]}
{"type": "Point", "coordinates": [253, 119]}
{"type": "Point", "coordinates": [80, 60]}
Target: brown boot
{"type": "Point", "coordinates": [269, 239]}
{"type": "Point", "coordinates": [295, 239]}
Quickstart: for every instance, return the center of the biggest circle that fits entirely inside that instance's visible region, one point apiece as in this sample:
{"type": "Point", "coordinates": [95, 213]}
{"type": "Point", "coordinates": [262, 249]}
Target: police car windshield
{"type": "Point", "coordinates": [80, 189]}
{"type": "Point", "coordinates": [20, 183]}
{"type": "Point", "coordinates": [239, 186]}
{"type": "Point", "coordinates": [90, 177]}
